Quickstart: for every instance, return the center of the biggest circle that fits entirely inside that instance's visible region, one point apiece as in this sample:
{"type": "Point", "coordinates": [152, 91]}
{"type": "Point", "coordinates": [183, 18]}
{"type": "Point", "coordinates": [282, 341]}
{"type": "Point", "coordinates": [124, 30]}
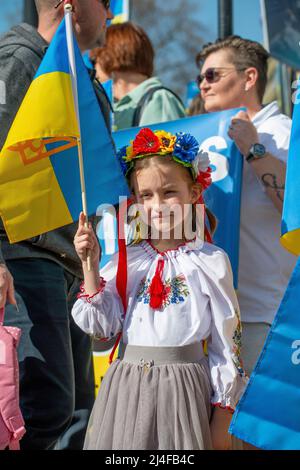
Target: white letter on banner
{"type": "Point", "coordinates": [296, 354]}
{"type": "Point", "coordinates": [217, 159]}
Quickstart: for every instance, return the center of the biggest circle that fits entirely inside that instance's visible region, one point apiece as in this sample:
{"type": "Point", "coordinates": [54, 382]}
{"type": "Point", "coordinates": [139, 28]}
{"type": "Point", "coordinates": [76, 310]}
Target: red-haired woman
{"type": "Point", "coordinates": [139, 98]}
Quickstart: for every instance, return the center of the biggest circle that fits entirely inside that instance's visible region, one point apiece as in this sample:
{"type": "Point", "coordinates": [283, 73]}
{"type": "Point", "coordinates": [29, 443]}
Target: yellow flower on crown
{"type": "Point", "coordinates": [167, 141]}
{"type": "Point", "coordinates": [129, 152]}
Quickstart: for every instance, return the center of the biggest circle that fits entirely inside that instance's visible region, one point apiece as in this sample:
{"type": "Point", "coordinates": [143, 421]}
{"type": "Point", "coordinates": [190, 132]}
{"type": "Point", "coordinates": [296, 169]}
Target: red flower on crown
{"type": "Point", "coordinates": [146, 142]}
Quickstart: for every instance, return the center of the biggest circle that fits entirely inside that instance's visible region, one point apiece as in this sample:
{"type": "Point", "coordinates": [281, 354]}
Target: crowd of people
{"type": "Point", "coordinates": [162, 392]}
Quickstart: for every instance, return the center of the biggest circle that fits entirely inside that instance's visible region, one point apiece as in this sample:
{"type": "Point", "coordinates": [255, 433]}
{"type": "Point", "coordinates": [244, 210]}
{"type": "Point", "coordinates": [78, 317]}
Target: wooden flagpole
{"type": "Point", "coordinates": [68, 7]}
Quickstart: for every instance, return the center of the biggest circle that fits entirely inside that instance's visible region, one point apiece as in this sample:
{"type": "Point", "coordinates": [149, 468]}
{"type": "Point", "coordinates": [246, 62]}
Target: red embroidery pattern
{"type": "Point", "coordinates": [83, 295]}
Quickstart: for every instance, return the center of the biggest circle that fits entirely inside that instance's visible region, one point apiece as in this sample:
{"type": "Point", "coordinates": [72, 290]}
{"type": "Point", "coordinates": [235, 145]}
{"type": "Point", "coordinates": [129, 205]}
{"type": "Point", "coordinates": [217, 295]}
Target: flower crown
{"type": "Point", "coordinates": [183, 148]}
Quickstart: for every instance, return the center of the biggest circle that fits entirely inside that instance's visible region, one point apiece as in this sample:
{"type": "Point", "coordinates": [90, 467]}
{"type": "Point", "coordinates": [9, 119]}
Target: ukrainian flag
{"type": "Point", "coordinates": [268, 414]}
{"type": "Point", "coordinates": [39, 169]}
{"type": "Point", "coordinates": [291, 209]}
{"type": "Point", "coordinates": [120, 10]}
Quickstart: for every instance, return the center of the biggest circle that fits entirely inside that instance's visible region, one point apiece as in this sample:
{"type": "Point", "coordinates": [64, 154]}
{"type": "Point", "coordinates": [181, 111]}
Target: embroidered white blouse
{"type": "Point", "coordinates": [199, 304]}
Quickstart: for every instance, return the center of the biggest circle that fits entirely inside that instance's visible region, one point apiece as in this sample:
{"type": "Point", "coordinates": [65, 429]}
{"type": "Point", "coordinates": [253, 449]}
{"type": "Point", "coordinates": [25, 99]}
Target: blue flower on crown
{"type": "Point", "coordinates": [120, 155]}
{"type": "Point", "coordinates": [186, 147]}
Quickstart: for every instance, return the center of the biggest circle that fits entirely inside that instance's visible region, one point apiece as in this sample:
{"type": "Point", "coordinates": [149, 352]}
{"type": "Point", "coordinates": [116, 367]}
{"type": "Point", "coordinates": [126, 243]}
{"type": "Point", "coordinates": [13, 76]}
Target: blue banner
{"type": "Point", "coordinates": [223, 197]}
{"type": "Point", "coordinates": [268, 414]}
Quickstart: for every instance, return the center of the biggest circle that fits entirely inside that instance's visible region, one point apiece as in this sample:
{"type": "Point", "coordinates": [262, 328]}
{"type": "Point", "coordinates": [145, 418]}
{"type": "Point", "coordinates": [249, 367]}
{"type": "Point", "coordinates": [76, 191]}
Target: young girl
{"type": "Point", "coordinates": [163, 392]}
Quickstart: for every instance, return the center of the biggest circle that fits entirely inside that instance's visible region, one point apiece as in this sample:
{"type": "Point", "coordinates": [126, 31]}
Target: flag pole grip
{"type": "Point", "coordinates": [68, 7]}
{"type": "Point", "coordinates": [83, 196]}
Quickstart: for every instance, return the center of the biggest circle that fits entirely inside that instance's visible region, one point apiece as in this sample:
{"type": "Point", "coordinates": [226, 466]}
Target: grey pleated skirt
{"type": "Point", "coordinates": [153, 398]}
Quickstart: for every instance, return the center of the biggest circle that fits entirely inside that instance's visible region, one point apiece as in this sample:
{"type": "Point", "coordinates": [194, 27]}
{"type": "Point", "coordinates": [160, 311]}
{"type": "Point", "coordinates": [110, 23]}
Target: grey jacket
{"type": "Point", "coordinates": [21, 52]}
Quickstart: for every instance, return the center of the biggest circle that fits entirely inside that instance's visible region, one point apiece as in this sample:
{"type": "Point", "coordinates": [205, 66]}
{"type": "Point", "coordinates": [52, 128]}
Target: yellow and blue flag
{"type": "Point", "coordinates": [39, 169]}
{"type": "Point", "coordinates": [268, 415]}
{"type": "Point", "coordinates": [120, 10]}
{"type": "Point", "coordinates": [290, 229]}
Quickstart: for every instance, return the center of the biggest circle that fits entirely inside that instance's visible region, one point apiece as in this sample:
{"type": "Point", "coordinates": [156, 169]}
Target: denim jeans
{"type": "Point", "coordinates": [55, 359]}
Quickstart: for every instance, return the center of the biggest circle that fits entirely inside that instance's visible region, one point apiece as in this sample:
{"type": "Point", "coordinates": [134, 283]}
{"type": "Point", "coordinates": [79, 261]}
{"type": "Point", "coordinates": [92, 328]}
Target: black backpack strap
{"type": "Point", "coordinates": [145, 100]}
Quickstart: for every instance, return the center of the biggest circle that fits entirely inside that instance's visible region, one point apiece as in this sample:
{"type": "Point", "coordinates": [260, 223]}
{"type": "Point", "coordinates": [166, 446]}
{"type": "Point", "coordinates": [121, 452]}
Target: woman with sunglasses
{"type": "Point", "coordinates": [233, 74]}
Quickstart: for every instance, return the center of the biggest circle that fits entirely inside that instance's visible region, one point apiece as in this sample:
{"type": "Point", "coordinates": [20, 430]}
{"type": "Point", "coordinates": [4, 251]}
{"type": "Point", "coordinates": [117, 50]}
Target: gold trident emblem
{"type": "Point", "coordinates": [33, 151]}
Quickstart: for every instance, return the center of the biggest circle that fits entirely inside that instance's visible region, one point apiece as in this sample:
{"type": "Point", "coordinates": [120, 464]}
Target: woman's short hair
{"type": "Point", "coordinates": [244, 53]}
{"type": "Point", "coordinates": [127, 49]}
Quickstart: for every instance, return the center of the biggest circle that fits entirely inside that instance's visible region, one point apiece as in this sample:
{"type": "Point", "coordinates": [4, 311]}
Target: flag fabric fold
{"type": "Point", "coordinates": [290, 229]}
{"type": "Point", "coordinates": [39, 170]}
{"type": "Point", "coordinates": [268, 415]}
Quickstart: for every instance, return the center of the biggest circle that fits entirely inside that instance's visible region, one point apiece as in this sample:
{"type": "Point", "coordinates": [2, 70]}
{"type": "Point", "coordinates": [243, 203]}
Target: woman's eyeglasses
{"type": "Point", "coordinates": [214, 74]}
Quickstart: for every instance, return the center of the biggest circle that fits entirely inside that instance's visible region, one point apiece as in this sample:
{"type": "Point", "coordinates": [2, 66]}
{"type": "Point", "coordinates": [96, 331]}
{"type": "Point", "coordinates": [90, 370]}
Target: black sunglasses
{"type": "Point", "coordinates": [213, 74]}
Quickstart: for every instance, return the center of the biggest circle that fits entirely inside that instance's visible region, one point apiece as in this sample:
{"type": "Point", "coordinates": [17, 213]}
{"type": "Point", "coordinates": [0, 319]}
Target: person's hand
{"type": "Point", "coordinates": [243, 132]}
{"type": "Point", "coordinates": [86, 242]}
{"type": "Point", "coordinates": [221, 439]}
{"type": "Point", "coordinates": [7, 291]}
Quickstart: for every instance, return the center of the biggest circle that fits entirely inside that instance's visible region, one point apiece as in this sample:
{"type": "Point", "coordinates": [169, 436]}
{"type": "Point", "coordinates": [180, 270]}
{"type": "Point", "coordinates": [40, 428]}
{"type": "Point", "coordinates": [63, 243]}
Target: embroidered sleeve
{"type": "Point", "coordinates": [224, 344]}
{"type": "Point", "coordinates": [101, 314]}
{"type": "Point", "coordinates": [83, 295]}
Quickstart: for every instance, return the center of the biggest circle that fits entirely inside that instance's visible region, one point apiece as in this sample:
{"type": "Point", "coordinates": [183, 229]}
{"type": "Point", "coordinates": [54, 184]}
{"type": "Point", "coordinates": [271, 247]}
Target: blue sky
{"type": "Point", "coordinates": [247, 21]}
{"type": "Point", "coordinates": [247, 18]}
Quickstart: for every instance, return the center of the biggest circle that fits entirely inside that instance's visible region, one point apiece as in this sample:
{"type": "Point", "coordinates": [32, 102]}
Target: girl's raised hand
{"type": "Point", "coordinates": [86, 243]}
